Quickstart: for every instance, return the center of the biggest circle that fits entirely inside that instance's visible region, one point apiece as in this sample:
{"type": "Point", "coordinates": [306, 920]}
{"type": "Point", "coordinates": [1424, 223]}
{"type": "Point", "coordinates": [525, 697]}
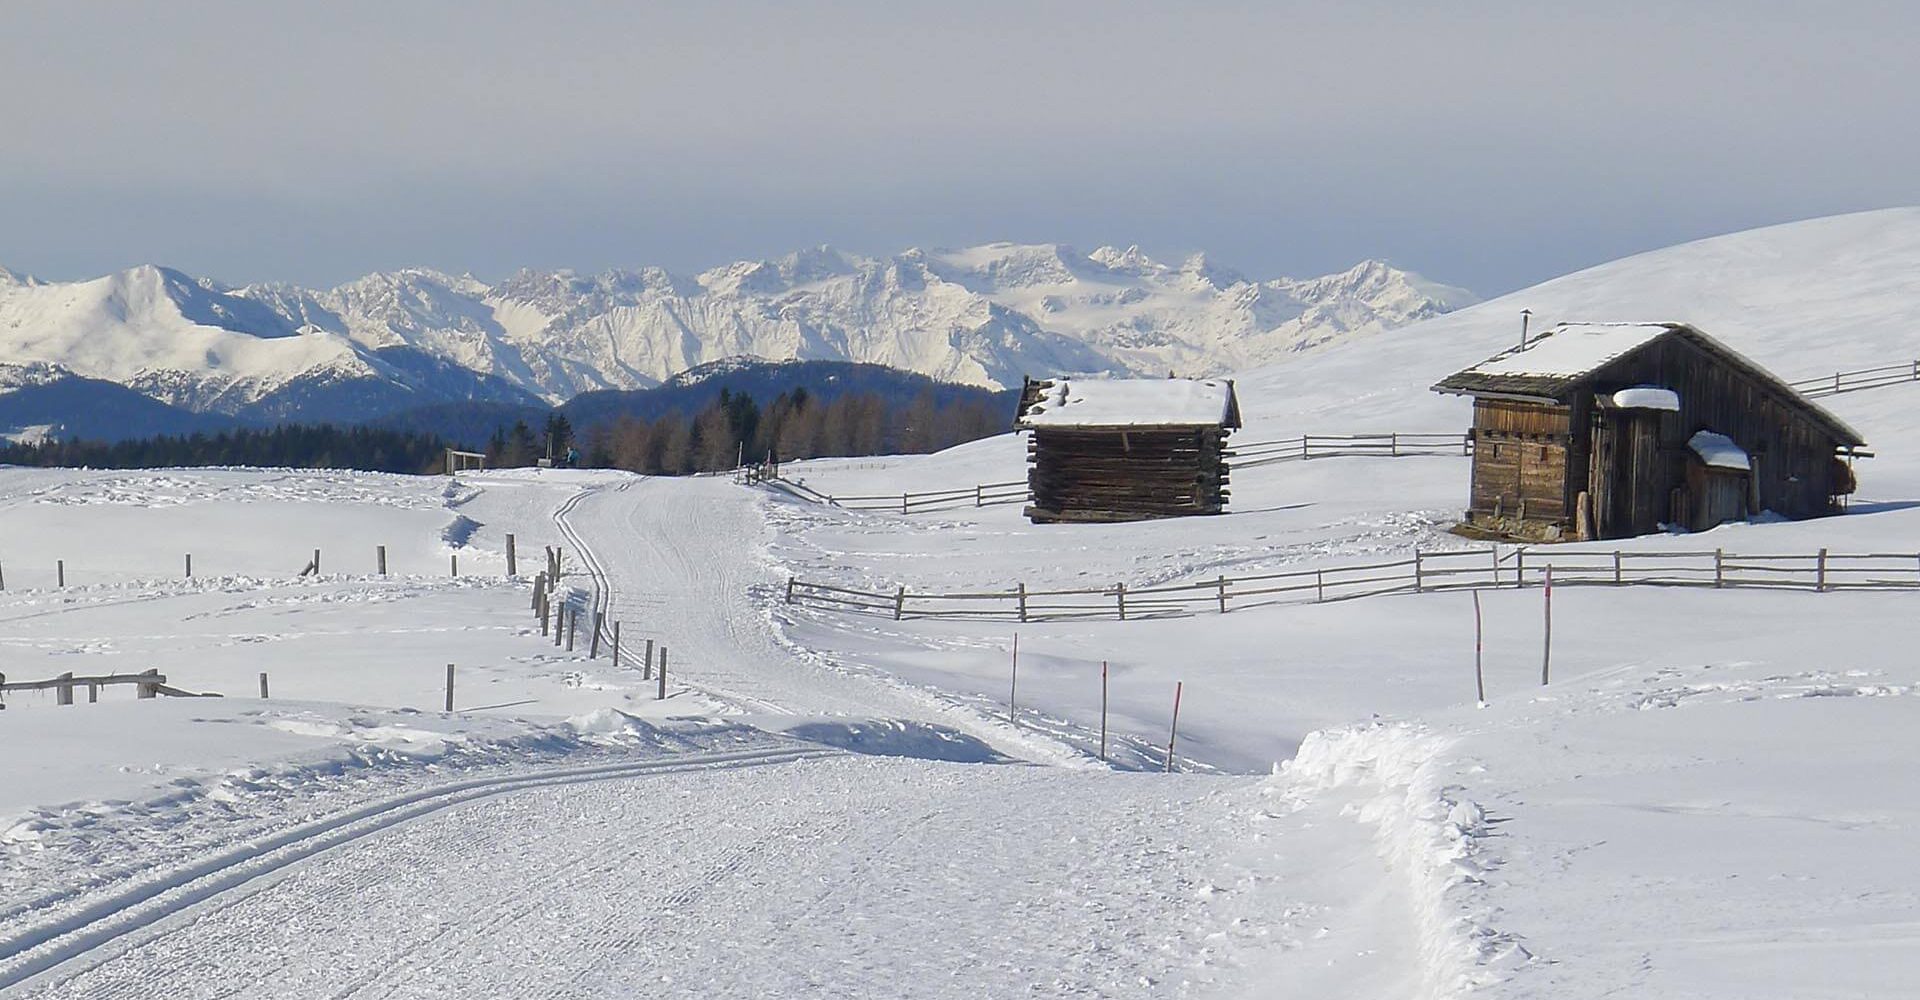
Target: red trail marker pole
{"type": "Point", "coordinates": [1546, 649]}
{"type": "Point", "coordinates": [1479, 679]}
{"type": "Point", "coordinates": [1013, 686]}
{"type": "Point", "coordinates": [1103, 710]}
{"type": "Point", "coordinates": [1173, 732]}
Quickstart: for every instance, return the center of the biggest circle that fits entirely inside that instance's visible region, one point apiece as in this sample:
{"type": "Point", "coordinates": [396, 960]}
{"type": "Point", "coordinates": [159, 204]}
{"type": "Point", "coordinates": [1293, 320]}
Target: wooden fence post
{"type": "Point", "coordinates": [1419, 572]}
{"type": "Point", "coordinates": [647, 671]}
{"type": "Point", "coordinates": [903, 503]}
{"type": "Point", "coordinates": [539, 580]}
{"type": "Point", "coordinates": [1020, 594]}
{"type": "Point", "coordinates": [573, 626]}
{"type": "Point", "coordinates": [1319, 585]}
{"type": "Point", "coordinates": [559, 623]}
{"type": "Point", "coordinates": [1013, 683]}
{"type": "Point", "coordinates": [189, 565]}
{"type": "Point", "coordinates": [1719, 568]}
{"type": "Point", "coordinates": [1820, 573]}
{"type": "Point", "coordinates": [790, 582]}
{"type": "Point", "coordinates": [1618, 579]}
{"type": "Point", "coordinates": [1120, 598]}
{"type": "Point", "coordinates": [1496, 564]}
{"type": "Point", "coordinates": [316, 562]}
{"type": "Point", "coordinates": [978, 501]}
{"type": "Point", "coordinates": [900, 603]}
{"type": "Point", "coordinates": [60, 579]}
{"type": "Point", "coordinates": [1223, 595]}
{"type": "Point", "coordinates": [616, 644]}
{"type": "Point", "coordinates": [3, 578]}
{"type": "Point", "coordinates": [1173, 731]}
{"type": "Point", "coordinates": [662, 695]}
{"type": "Point", "coordinates": [453, 568]}
{"type": "Point", "coordinates": [449, 687]}
{"type": "Point", "coordinates": [93, 692]}
{"type": "Point", "coordinates": [380, 555]}
{"type": "Point", "coordinates": [63, 695]}
{"type": "Point", "coordinates": [263, 685]}
{"type": "Point", "coordinates": [1546, 649]}
{"type": "Point", "coordinates": [1519, 568]}
{"type": "Point", "coordinates": [1479, 677]}
{"type": "Point", "coordinates": [1394, 442]}
{"type": "Point", "coordinates": [593, 635]}
{"type": "Point", "coordinates": [148, 689]}
{"type": "Point", "coordinates": [513, 563]}
{"type": "Point", "coordinates": [1103, 710]}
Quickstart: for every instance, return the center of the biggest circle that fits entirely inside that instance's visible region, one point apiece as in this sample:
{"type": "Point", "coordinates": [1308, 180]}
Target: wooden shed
{"type": "Point", "coordinates": [1606, 430]}
{"type": "Point", "coordinates": [1126, 449]}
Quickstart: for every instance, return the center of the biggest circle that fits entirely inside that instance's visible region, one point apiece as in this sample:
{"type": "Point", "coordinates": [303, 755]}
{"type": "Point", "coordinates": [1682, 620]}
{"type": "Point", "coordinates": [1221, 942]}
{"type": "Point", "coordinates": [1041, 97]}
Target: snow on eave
{"type": "Point", "coordinates": [1120, 403]}
{"type": "Point", "coordinates": [1646, 397]}
{"type": "Point", "coordinates": [1718, 451]}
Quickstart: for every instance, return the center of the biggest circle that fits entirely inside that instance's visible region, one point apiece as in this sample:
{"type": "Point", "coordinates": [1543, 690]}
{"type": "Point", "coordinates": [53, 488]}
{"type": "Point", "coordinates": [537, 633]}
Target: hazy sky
{"type": "Point", "coordinates": [1485, 144]}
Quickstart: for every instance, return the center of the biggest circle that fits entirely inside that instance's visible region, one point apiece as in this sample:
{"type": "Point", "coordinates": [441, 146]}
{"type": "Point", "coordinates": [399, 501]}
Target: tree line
{"type": "Point", "coordinates": [734, 429]}
{"type": "Point", "coordinates": [731, 429]}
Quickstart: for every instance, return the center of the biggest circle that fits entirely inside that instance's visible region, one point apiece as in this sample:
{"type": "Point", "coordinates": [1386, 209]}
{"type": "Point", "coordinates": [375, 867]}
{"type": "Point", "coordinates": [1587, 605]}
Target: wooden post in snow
{"type": "Point", "coordinates": [316, 562]}
{"type": "Point", "coordinates": [1546, 648]}
{"type": "Point", "coordinates": [263, 685]}
{"type": "Point", "coordinates": [559, 623]}
{"type": "Point", "coordinates": [1173, 731]}
{"type": "Point", "coordinates": [1419, 573]}
{"type": "Point", "coordinates": [1820, 573]}
{"type": "Point", "coordinates": [189, 565]}
{"type": "Point", "coordinates": [593, 635]}
{"type": "Point", "coordinates": [1020, 594]}
{"type": "Point", "coordinates": [1120, 599]}
{"type": "Point", "coordinates": [1103, 709]}
{"type": "Point", "coordinates": [900, 603]}
{"type": "Point", "coordinates": [60, 579]}
{"type": "Point", "coordinates": [63, 695]}
{"type": "Point", "coordinates": [453, 568]}
{"type": "Point", "coordinates": [380, 557]}
{"type": "Point", "coordinates": [513, 563]}
{"type": "Point", "coordinates": [449, 687]}
{"type": "Point", "coordinates": [616, 644]}
{"type": "Point", "coordinates": [662, 694]}
{"type": "Point", "coordinates": [573, 626]}
{"type": "Point", "coordinates": [1223, 595]}
{"type": "Point", "coordinates": [1479, 678]}
{"type": "Point", "coordinates": [1013, 685]}
{"type": "Point", "coordinates": [647, 671]}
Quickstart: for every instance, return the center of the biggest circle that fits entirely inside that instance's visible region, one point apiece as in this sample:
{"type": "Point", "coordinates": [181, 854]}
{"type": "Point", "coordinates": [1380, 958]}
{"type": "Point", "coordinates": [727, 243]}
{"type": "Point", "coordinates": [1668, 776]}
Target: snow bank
{"type": "Point", "coordinates": [1427, 831]}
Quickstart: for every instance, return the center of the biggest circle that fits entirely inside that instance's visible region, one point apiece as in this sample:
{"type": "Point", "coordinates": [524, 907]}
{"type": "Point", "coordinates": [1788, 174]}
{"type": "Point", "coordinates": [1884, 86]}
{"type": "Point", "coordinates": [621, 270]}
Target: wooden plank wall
{"type": "Point", "coordinates": [1520, 454]}
{"type": "Point", "coordinates": [1110, 475]}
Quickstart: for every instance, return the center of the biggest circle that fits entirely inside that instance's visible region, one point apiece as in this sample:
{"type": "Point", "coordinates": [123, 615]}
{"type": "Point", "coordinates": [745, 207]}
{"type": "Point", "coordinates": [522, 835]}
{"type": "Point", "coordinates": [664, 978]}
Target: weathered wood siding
{"type": "Point", "coordinates": [1792, 454]}
{"type": "Point", "coordinates": [1113, 475]}
{"type": "Point", "coordinates": [1520, 457]}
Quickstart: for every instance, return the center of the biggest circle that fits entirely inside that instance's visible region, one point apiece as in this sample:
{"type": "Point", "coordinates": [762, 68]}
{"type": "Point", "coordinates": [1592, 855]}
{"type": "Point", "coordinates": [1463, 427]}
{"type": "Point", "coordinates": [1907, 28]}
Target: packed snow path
{"type": "Point", "coordinates": [837, 876]}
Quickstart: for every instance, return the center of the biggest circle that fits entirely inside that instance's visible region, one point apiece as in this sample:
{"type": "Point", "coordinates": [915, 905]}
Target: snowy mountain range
{"type": "Point", "coordinates": [985, 316]}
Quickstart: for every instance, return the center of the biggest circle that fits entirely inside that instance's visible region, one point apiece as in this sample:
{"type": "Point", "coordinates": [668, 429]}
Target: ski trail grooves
{"type": "Point", "coordinates": [100, 929]}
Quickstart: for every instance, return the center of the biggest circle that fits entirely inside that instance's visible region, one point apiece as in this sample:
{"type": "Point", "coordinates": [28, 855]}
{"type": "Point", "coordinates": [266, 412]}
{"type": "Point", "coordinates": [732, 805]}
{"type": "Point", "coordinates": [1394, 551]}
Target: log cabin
{"type": "Point", "coordinates": [1608, 430]}
{"type": "Point", "coordinates": [1126, 449]}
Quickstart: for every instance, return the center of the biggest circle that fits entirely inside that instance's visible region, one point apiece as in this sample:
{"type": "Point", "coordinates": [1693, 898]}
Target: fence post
{"type": "Point", "coordinates": [316, 562]}
{"type": "Point", "coordinates": [453, 568]}
{"type": "Point", "coordinates": [1836, 382]}
{"type": "Point", "coordinates": [573, 626]}
{"type": "Point", "coordinates": [593, 636]}
{"type": "Point", "coordinates": [1394, 443]}
{"type": "Point", "coordinates": [63, 695]}
{"type": "Point", "coordinates": [1120, 598]}
{"type": "Point", "coordinates": [903, 503]}
{"type": "Point", "coordinates": [1103, 710]}
{"type": "Point", "coordinates": [559, 623]}
{"type": "Point", "coordinates": [380, 552]}
{"type": "Point", "coordinates": [543, 610]}
{"type": "Point", "coordinates": [1466, 444]}
{"type": "Point", "coordinates": [616, 645]}
{"type": "Point", "coordinates": [1013, 684]}
{"type": "Point", "coordinates": [1173, 731]}
{"type": "Point", "coordinates": [1479, 676]}
{"type": "Point", "coordinates": [790, 583]}
{"type": "Point", "coordinates": [263, 685]}
{"type": "Point", "coordinates": [513, 564]}
{"type": "Point", "coordinates": [1617, 578]}
{"type": "Point", "coordinates": [647, 671]}
{"type": "Point", "coordinates": [1020, 594]}
{"type": "Point", "coordinates": [449, 687]}
{"type": "Point", "coordinates": [1719, 569]}
{"type": "Point", "coordinates": [661, 695]}
{"type": "Point", "coordinates": [1419, 572]}
{"type": "Point", "coordinates": [189, 565]}
{"type": "Point", "coordinates": [1546, 649]}
{"type": "Point", "coordinates": [978, 500]}
{"type": "Point", "coordinates": [900, 603]}
{"type": "Point", "coordinates": [1223, 595]}
{"type": "Point", "coordinates": [1820, 573]}
{"type": "Point", "coordinates": [1519, 568]}
{"type": "Point", "coordinates": [1496, 564]}
{"type": "Point", "coordinates": [60, 579]}
{"type": "Point", "coordinates": [147, 689]}
{"type": "Point", "coordinates": [539, 579]}
{"type": "Point", "coordinates": [1319, 585]}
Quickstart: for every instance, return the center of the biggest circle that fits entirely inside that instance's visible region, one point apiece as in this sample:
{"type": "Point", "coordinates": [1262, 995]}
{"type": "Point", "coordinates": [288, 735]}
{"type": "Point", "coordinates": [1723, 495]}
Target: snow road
{"type": "Point", "coordinates": [839, 876]}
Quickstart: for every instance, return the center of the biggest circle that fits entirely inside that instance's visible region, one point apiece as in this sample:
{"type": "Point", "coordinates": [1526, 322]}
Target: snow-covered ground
{"type": "Point", "coordinates": [1714, 797]}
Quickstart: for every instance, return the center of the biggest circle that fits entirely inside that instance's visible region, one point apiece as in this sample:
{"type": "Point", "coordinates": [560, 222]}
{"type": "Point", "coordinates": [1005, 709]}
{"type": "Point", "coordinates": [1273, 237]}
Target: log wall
{"type": "Point", "coordinates": [1131, 475]}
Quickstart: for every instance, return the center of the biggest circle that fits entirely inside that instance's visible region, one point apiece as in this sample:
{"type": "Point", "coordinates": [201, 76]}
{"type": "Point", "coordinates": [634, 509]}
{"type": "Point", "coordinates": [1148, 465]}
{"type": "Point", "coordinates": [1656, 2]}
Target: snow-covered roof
{"type": "Point", "coordinates": [1647, 397]}
{"type": "Point", "coordinates": [1572, 349]}
{"type": "Point", "coordinates": [1718, 451]}
{"type": "Point", "coordinates": [1141, 402]}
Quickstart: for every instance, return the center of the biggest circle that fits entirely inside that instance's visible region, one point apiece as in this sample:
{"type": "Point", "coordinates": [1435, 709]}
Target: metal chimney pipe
{"type": "Point", "coordinates": [1525, 315]}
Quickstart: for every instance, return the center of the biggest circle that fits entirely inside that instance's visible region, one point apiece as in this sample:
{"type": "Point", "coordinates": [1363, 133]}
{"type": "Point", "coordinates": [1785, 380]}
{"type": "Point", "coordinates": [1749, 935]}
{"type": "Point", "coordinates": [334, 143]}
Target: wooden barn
{"type": "Point", "coordinates": [1126, 449]}
{"type": "Point", "coordinates": [1606, 430]}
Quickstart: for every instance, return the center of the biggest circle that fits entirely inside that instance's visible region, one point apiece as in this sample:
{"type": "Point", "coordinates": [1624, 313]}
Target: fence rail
{"type": "Point", "coordinates": [147, 684]}
{"type": "Point", "coordinates": [1422, 572]}
{"type": "Point", "coordinates": [1859, 378]}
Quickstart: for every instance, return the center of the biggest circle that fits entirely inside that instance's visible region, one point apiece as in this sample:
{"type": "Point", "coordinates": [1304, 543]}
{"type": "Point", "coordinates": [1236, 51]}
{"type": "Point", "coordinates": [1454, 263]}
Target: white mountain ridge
{"type": "Point", "coordinates": [984, 315]}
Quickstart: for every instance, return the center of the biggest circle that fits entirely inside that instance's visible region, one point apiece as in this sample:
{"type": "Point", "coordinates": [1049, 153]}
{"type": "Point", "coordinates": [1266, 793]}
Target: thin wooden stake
{"type": "Point", "coordinates": [60, 577]}
{"type": "Point", "coordinates": [1013, 685]}
{"type": "Point", "coordinates": [513, 563]}
{"type": "Point", "coordinates": [1223, 595]}
{"type": "Point", "coordinates": [449, 687]}
{"type": "Point", "coordinates": [316, 562]}
{"type": "Point", "coordinates": [453, 568]}
{"type": "Point", "coordinates": [189, 565]}
{"type": "Point", "coordinates": [380, 557]}
{"type": "Point", "coordinates": [263, 685]}
{"type": "Point", "coordinates": [1120, 598]}
{"type": "Point", "coordinates": [1020, 592]}
{"type": "Point", "coordinates": [1173, 731]}
{"type": "Point", "coordinates": [1103, 709]}
{"type": "Point", "coordinates": [662, 695]}
{"type": "Point", "coordinates": [616, 645]}
{"type": "Point", "coordinates": [647, 672]}
{"type": "Point", "coordinates": [593, 636]}
{"type": "Point", "coordinates": [573, 627]}
{"type": "Point", "coordinates": [1479, 678]}
{"type": "Point", "coordinates": [1546, 649]}
{"type": "Point", "coordinates": [1820, 573]}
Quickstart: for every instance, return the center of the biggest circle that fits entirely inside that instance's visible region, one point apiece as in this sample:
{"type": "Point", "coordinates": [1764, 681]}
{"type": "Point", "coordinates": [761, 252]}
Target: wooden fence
{"type": "Point", "coordinates": [1422, 572]}
{"type": "Point", "coordinates": [1859, 378]}
{"type": "Point", "coordinates": [147, 684]}
{"type": "Point", "coordinates": [1240, 456]}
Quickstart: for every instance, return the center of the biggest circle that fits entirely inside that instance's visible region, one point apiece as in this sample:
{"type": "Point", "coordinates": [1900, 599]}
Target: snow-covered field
{"type": "Point", "coordinates": [1715, 797]}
